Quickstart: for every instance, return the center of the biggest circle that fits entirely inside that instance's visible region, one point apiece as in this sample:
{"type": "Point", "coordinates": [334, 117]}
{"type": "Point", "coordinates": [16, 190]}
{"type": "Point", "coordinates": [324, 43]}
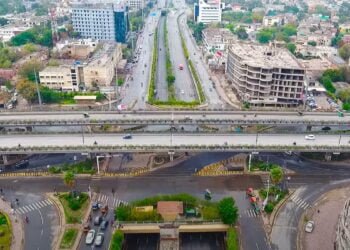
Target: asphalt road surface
{"type": "Point", "coordinates": [12, 141]}
{"type": "Point", "coordinates": [161, 82]}
{"type": "Point", "coordinates": [184, 86]}
{"type": "Point", "coordinates": [176, 115]}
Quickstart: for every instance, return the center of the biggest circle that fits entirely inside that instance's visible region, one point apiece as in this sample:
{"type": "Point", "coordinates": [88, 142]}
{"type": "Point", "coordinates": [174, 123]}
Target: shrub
{"type": "Point", "coordinates": [75, 203]}
{"type": "Point", "coordinates": [269, 207]}
{"type": "Point", "coordinates": [122, 213]}
{"type": "Point", "coordinates": [3, 220]}
{"type": "Point", "coordinates": [117, 240]}
{"type": "Point", "coordinates": [210, 212]}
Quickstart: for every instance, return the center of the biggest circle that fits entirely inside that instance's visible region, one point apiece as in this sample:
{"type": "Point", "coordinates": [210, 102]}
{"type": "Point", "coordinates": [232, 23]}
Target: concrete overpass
{"type": "Point", "coordinates": [18, 119]}
{"type": "Point", "coordinates": [55, 143]}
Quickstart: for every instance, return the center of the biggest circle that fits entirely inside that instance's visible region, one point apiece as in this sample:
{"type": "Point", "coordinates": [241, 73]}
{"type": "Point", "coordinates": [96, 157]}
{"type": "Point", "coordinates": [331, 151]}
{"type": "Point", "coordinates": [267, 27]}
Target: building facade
{"type": "Point", "coordinates": [207, 11]}
{"type": "Point", "coordinates": [101, 21]}
{"type": "Point", "coordinates": [97, 71]}
{"type": "Point", "coordinates": [265, 75]}
{"type": "Point", "coordinates": [135, 4]}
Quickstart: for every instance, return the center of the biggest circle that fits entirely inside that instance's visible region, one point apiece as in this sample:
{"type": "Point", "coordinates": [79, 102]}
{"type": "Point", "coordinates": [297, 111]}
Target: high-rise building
{"type": "Point", "coordinates": [101, 21]}
{"type": "Point", "coordinates": [207, 11]}
{"type": "Point", "coordinates": [265, 75]}
{"type": "Point", "coordinates": [135, 4]}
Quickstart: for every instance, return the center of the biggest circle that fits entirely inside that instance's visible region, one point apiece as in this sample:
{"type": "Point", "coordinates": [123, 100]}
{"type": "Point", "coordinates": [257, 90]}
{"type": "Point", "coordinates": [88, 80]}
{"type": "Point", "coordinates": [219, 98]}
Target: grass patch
{"type": "Point", "coordinates": [258, 165]}
{"type": "Point", "coordinates": [74, 207]}
{"type": "Point", "coordinates": [117, 240]}
{"type": "Point", "coordinates": [69, 238]}
{"type": "Point", "coordinates": [84, 167]}
{"type": "Point", "coordinates": [232, 239]}
{"type": "Point", "coordinates": [5, 232]}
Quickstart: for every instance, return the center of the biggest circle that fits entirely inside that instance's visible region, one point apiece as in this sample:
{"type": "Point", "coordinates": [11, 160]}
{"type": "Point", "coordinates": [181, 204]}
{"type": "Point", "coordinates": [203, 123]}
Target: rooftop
{"type": "Point", "coordinates": [264, 56]}
{"type": "Point", "coordinates": [102, 54]}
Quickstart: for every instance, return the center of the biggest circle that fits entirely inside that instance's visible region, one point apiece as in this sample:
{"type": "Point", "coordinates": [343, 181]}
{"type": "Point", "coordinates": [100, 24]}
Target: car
{"type": "Point", "coordinates": [96, 206]}
{"type": "Point", "coordinates": [182, 91]}
{"type": "Point", "coordinates": [104, 224]}
{"type": "Point", "coordinates": [90, 237]}
{"type": "Point", "coordinates": [128, 136]}
{"type": "Point", "coordinates": [309, 227]}
{"type": "Point", "coordinates": [309, 137]}
{"type": "Point", "coordinates": [97, 220]}
{"type": "Point", "coordinates": [99, 239]}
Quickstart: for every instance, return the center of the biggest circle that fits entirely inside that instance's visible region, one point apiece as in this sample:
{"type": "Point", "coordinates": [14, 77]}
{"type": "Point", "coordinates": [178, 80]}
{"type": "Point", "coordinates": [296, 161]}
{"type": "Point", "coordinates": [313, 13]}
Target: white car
{"type": "Point", "coordinates": [90, 237]}
{"type": "Point", "coordinates": [99, 239]}
{"type": "Point", "coordinates": [309, 137]}
{"type": "Point", "coordinates": [183, 92]}
{"type": "Point", "coordinates": [309, 227]}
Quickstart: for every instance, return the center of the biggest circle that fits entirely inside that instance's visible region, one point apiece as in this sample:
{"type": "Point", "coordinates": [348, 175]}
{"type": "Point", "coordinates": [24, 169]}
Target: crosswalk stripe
{"type": "Point", "coordinates": [31, 207]}
{"type": "Point", "coordinates": [35, 206]}
{"type": "Point", "coordinates": [46, 202]}
{"type": "Point", "coordinates": [42, 203]}
{"type": "Point", "coordinates": [25, 209]}
{"type": "Point", "coordinates": [20, 210]}
{"type": "Point", "coordinates": [39, 204]}
{"type": "Point", "coordinates": [49, 201]}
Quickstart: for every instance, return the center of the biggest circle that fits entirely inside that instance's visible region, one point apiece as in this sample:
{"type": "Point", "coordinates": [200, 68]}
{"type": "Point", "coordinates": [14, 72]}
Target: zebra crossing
{"type": "Point", "coordinates": [112, 201]}
{"type": "Point", "coordinates": [299, 201]}
{"type": "Point", "coordinates": [250, 213]}
{"type": "Point", "coordinates": [34, 206]}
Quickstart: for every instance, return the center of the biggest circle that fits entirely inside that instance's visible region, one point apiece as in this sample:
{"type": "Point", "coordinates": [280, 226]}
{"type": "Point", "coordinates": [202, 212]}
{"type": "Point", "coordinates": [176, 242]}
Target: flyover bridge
{"type": "Point", "coordinates": [16, 119]}
{"type": "Point", "coordinates": [56, 143]}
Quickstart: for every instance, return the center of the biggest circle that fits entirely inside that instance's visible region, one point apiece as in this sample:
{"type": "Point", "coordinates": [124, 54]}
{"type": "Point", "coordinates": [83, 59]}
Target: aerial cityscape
{"type": "Point", "coordinates": [175, 124]}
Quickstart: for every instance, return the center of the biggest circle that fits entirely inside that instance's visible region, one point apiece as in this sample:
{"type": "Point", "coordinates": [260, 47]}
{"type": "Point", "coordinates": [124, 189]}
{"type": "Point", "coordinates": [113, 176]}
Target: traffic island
{"type": "Point", "coordinates": [5, 231]}
{"type": "Point", "coordinates": [69, 238]}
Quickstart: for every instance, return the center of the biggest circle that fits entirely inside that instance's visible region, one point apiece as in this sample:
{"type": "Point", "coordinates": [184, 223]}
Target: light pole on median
{"type": "Point", "coordinates": [339, 140]}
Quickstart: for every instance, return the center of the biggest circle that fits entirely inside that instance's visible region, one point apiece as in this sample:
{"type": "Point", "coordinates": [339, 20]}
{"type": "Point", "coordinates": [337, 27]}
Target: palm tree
{"type": "Point", "coordinates": [276, 175]}
{"type": "Point", "coordinates": [69, 179]}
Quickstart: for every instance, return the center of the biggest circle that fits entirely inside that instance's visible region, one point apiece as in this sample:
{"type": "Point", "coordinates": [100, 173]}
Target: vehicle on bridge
{"type": "Point", "coordinates": [309, 137]}
{"type": "Point", "coordinates": [128, 136]}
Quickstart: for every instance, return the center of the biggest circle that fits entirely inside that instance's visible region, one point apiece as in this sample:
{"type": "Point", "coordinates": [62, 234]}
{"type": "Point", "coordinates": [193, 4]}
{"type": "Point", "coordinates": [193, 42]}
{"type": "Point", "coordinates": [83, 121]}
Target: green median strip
{"type": "Point", "coordinates": [69, 238]}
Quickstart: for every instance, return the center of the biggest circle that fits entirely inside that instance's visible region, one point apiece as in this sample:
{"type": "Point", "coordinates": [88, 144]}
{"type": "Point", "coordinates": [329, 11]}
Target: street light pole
{"type": "Point", "coordinates": [82, 133]}
{"type": "Point", "coordinates": [339, 140]}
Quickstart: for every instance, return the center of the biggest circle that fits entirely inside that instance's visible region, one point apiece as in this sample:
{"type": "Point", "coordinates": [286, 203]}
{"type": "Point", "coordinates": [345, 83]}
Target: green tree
{"type": "Point", "coordinates": [312, 43]}
{"type": "Point", "coordinates": [344, 52]}
{"type": "Point", "coordinates": [276, 175]}
{"type": "Point", "coordinates": [264, 36]}
{"type": "Point", "coordinates": [232, 239]}
{"type": "Point", "coordinates": [289, 29]}
{"type": "Point", "coordinates": [291, 47]}
{"type": "Point", "coordinates": [197, 32]}
{"type": "Point", "coordinates": [242, 33]}
{"type": "Point", "coordinates": [122, 213]}
{"type": "Point", "coordinates": [3, 21]}
{"type": "Point", "coordinates": [29, 68]}
{"type": "Point", "coordinates": [69, 179]}
{"type": "Point", "coordinates": [228, 210]}
{"type": "Point", "coordinates": [327, 83]}
{"type": "Point", "coordinates": [27, 90]}
{"type": "Point", "coordinates": [117, 240]}
{"type": "Point", "coordinates": [344, 95]}
{"type": "Point", "coordinates": [29, 48]}
{"type": "Point", "coordinates": [336, 75]}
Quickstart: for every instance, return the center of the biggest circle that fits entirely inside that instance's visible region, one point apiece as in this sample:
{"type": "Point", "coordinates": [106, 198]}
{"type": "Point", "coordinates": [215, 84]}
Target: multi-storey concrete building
{"type": "Point", "coordinates": [101, 21]}
{"type": "Point", "coordinates": [207, 11]}
{"type": "Point", "coordinates": [265, 75]}
{"type": "Point", "coordinates": [97, 71]}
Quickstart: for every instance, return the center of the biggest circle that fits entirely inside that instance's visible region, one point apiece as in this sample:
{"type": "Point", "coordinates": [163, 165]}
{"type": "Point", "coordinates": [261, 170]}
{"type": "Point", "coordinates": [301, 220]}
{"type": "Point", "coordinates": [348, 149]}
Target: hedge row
{"type": "Point", "coordinates": [152, 81]}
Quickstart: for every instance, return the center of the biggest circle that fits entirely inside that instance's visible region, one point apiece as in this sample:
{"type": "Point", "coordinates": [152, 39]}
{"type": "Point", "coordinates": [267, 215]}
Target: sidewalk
{"type": "Point", "coordinates": [17, 226]}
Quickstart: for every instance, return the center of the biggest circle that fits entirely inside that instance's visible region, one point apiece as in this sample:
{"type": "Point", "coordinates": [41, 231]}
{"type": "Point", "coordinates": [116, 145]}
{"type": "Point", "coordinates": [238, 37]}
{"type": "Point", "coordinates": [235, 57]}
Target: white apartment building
{"type": "Point", "coordinates": [207, 11]}
{"type": "Point", "coordinates": [264, 75]}
{"type": "Point", "coordinates": [9, 31]}
{"type": "Point", "coordinates": [135, 4]}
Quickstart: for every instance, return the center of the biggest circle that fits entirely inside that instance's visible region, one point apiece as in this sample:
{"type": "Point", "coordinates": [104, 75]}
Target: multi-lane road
{"type": "Point", "coordinates": [191, 117]}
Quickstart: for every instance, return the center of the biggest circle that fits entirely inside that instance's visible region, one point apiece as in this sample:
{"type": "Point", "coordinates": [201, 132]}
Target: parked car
{"type": "Point", "coordinates": [90, 237]}
{"type": "Point", "coordinates": [97, 220]}
{"type": "Point", "coordinates": [309, 227]}
{"type": "Point", "coordinates": [99, 239]}
{"type": "Point", "coordinates": [104, 224]}
{"type": "Point", "coordinates": [309, 137]}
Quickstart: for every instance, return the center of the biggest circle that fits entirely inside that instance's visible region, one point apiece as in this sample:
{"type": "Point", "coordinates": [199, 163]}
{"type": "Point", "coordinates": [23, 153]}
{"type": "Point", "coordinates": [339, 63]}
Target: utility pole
{"type": "Point", "coordinates": [37, 88]}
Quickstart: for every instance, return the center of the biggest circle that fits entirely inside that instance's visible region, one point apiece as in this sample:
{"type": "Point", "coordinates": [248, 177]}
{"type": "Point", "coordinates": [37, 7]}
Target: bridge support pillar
{"type": "Point", "coordinates": [171, 155]}
{"type": "Point", "coordinates": [308, 128]}
{"type": "Point", "coordinates": [4, 159]}
{"type": "Point", "coordinates": [328, 156]}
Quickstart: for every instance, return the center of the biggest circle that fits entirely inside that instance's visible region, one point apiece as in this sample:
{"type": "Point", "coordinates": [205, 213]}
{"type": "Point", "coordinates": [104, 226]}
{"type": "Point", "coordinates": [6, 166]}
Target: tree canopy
{"type": "Point", "coordinates": [228, 210]}
{"type": "Point", "coordinates": [276, 175]}
{"type": "Point", "coordinates": [344, 52]}
{"type": "Point", "coordinates": [38, 34]}
{"type": "Point", "coordinates": [69, 179]}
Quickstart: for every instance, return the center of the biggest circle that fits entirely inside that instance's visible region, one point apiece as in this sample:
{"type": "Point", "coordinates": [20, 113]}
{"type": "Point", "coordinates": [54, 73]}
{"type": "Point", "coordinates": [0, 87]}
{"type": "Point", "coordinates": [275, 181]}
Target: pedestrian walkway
{"type": "Point", "coordinates": [299, 201]}
{"type": "Point", "coordinates": [34, 206]}
{"type": "Point", "coordinates": [17, 226]}
{"type": "Point", "coordinates": [111, 201]}
{"type": "Point", "coordinates": [265, 178]}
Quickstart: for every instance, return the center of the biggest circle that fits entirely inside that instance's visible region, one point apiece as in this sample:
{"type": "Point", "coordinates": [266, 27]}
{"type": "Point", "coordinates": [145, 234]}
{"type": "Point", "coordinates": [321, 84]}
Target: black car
{"type": "Point", "coordinates": [104, 224]}
{"type": "Point", "coordinates": [97, 220]}
{"type": "Point", "coordinates": [96, 206]}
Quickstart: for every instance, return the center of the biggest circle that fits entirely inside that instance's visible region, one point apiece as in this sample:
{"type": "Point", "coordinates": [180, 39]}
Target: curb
{"type": "Point", "coordinates": [58, 237]}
